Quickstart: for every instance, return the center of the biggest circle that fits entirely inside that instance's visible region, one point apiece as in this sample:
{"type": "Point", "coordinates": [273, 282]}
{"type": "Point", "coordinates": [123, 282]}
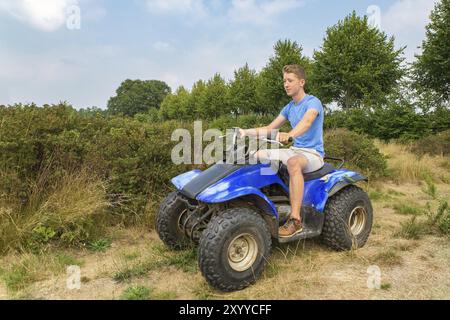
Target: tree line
{"type": "Point", "coordinates": [357, 67]}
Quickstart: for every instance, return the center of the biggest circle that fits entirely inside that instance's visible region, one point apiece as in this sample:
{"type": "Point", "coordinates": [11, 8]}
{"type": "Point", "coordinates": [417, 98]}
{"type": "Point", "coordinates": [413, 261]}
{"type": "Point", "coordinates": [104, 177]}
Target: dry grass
{"type": "Point", "coordinates": [63, 212]}
{"type": "Point", "coordinates": [405, 166]}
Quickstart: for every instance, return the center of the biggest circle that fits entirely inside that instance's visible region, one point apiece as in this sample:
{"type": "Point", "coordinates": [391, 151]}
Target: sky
{"type": "Point", "coordinates": [80, 51]}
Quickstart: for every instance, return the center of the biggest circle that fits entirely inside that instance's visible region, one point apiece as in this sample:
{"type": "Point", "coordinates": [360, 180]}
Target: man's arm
{"type": "Point", "coordinates": [265, 131]}
{"type": "Point", "coordinates": [300, 128]}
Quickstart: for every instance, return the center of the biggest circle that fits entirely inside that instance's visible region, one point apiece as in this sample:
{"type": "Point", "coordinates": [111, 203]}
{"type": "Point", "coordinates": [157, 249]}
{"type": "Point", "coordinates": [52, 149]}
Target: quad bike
{"type": "Point", "coordinates": [232, 212]}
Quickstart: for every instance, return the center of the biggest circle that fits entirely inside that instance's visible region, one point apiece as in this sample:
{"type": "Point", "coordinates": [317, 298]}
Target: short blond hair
{"type": "Point", "coordinates": [299, 71]}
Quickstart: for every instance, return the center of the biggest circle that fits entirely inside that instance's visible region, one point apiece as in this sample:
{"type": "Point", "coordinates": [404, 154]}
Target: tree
{"type": "Point", "coordinates": [213, 102]}
{"type": "Point", "coordinates": [196, 97]}
{"type": "Point", "coordinates": [242, 91]}
{"type": "Point", "coordinates": [357, 64]}
{"type": "Point", "coordinates": [176, 106]}
{"type": "Point", "coordinates": [270, 89]}
{"type": "Point", "coordinates": [432, 68]}
{"type": "Point", "coordinates": [137, 96]}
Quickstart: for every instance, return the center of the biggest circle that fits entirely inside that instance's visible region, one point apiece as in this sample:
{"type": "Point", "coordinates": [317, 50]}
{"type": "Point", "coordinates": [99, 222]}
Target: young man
{"type": "Point", "coordinates": [305, 114]}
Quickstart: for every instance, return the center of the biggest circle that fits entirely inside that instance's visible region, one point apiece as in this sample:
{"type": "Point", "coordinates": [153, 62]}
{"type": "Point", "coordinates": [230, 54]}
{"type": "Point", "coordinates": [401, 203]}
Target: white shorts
{"type": "Point", "coordinates": [315, 160]}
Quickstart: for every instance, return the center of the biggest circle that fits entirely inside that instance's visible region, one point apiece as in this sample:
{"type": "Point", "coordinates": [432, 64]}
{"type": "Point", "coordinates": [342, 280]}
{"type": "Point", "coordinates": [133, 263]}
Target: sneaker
{"type": "Point", "coordinates": [290, 228]}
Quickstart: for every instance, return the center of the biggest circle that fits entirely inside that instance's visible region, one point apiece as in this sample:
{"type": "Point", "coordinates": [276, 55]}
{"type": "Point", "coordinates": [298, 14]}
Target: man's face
{"type": "Point", "coordinates": [292, 84]}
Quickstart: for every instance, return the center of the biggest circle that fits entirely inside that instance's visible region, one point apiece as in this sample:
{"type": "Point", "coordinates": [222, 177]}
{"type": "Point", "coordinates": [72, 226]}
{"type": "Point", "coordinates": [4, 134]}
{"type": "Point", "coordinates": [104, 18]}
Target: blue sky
{"type": "Point", "coordinates": [42, 60]}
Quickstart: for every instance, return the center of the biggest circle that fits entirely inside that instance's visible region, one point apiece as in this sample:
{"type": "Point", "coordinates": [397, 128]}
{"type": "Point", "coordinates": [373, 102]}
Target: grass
{"type": "Point", "coordinates": [18, 274]}
{"type": "Point", "coordinates": [388, 257]}
{"type": "Point", "coordinates": [410, 229]}
{"type": "Point", "coordinates": [404, 166]}
{"type": "Point", "coordinates": [438, 221]}
{"type": "Point", "coordinates": [430, 188]}
{"type": "Point", "coordinates": [407, 209]}
{"type": "Point", "coordinates": [159, 258]}
{"type": "Point", "coordinates": [65, 260]}
{"type": "Point", "coordinates": [392, 192]}
{"type": "Point", "coordinates": [376, 195]}
{"type": "Point", "coordinates": [445, 164]}
{"type": "Point", "coordinates": [164, 295]}
{"type": "Point", "coordinates": [139, 292]}
{"type": "Point", "coordinates": [63, 213]}
{"type": "Point", "coordinates": [99, 245]}
{"type": "Point", "coordinates": [385, 286]}
{"type": "Point", "coordinates": [130, 256]}
{"type": "Point", "coordinates": [17, 278]}
{"type": "Point", "coordinates": [136, 292]}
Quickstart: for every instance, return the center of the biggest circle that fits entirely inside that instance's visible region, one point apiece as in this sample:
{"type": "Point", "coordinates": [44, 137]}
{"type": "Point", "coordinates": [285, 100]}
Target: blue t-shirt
{"type": "Point", "coordinates": [294, 112]}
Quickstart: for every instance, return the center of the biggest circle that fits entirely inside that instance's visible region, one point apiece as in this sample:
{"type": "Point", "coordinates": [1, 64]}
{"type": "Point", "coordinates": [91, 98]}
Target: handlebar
{"type": "Point", "coordinates": [236, 135]}
{"type": "Point", "coordinates": [278, 142]}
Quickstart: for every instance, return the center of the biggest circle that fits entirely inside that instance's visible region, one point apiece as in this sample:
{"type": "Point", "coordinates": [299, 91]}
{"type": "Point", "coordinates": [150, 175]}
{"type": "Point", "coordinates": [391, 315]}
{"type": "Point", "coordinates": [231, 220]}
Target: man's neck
{"type": "Point", "coordinates": [299, 96]}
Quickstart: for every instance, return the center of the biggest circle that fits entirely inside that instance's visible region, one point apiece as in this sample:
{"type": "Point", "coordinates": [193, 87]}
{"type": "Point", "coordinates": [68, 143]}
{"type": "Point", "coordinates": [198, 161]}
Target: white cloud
{"type": "Point", "coordinates": [406, 20]}
{"type": "Point", "coordinates": [260, 12]}
{"type": "Point", "coordinates": [166, 6]}
{"type": "Point", "coordinates": [46, 15]}
{"type": "Point", "coordinates": [162, 46]}
{"type": "Point", "coordinates": [406, 14]}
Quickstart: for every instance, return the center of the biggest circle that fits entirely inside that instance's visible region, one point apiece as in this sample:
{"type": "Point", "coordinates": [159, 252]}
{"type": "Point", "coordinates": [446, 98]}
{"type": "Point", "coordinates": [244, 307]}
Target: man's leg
{"type": "Point", "coordinates": [293, 226]}
{"type": "Point", "coordinates": [296, 184]}
{"type": "Point", "coordinates": [295, 164]}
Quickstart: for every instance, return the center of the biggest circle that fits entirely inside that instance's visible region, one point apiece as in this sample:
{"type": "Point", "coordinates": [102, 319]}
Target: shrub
{"type": "Point", "coordinates": [439, 221]}
{"type": "Point", "coordinates": [243, 121]}
{"type": "Point", "coordinates": [438, 144]}
{"type": "Point", "coordinates": [358, 150]}
{"type": "Point", "coordinates": [411, 229]}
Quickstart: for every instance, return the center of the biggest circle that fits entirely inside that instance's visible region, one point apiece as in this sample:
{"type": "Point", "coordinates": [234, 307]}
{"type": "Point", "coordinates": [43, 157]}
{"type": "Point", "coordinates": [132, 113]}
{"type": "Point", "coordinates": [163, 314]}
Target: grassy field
{"type": "Point", "coordinates": [411, 251]}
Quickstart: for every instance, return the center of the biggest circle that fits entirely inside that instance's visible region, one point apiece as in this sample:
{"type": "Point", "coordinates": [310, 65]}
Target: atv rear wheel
{"type": "Point", "coordinates": [168, 220]}
{"type": "Point", "coordinates": [348, 219]}
{"type": "Point", "coordinates": [234, 248]}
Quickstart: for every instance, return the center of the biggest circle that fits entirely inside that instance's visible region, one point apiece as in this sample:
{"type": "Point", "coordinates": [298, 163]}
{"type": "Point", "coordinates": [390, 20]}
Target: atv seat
{"type": "Point", "coordinates": [326, 169]}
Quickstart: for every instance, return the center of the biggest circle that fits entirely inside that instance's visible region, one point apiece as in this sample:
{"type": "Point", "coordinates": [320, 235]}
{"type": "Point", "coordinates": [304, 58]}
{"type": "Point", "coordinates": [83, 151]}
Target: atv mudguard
{"type": "Point", "coordinates": [248, 180]}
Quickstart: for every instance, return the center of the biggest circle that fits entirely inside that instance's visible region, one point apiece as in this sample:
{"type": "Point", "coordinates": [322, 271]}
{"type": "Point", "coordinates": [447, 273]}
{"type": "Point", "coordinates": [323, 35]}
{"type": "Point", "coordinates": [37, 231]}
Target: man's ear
{"type": "Point", "coordinates": [302, 82]}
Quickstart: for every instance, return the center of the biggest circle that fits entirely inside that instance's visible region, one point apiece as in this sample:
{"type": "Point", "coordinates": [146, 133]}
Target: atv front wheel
{"type": "Point", "coordinates": [348, 219]}
{"type": "Point", "coordinates": [169, 219]}
{"type": "Point", "coordinates": [234, 248]}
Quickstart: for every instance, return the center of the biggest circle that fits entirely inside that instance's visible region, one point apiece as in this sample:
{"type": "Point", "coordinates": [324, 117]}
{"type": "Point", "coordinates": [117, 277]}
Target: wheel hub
{"type": "Point", "coordinates": [357, 220]}
{"type": "Point", "coordinates": [242, 252]}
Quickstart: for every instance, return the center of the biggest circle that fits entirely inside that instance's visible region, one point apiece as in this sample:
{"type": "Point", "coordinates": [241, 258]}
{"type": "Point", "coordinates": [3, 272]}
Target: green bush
{"type": "Point", "coordinates": [133, 157]}
{"type": "Point", "coordinates": [438, 144]}
{"type": "Point", "coordinates": [358, 150]}
{"type": "Point", "coordinates": [243, 121]}
{"type": "Point", "coordinates": [394, 120]}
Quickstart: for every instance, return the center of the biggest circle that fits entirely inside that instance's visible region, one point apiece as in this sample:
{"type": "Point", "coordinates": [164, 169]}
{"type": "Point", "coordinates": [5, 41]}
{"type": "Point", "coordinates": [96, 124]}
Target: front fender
{"type": "Point", "coordinates": [237, 193]}
{"type": "Point", "coordinates": [181, 180]}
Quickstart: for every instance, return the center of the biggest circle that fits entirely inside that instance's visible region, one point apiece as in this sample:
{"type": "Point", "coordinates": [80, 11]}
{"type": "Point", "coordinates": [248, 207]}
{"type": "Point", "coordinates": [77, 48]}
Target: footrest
{"type": "Point", "coordinates": [305, 234]}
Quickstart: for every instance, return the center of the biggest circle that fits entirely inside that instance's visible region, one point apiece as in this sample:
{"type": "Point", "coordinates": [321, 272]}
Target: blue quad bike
{"type": "Point", "coordinates": [232, 212]}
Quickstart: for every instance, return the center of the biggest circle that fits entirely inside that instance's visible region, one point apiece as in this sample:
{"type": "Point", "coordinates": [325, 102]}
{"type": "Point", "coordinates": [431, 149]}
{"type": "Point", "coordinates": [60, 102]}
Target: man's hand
{"type": "Point", "coordinates": [283, 137]}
